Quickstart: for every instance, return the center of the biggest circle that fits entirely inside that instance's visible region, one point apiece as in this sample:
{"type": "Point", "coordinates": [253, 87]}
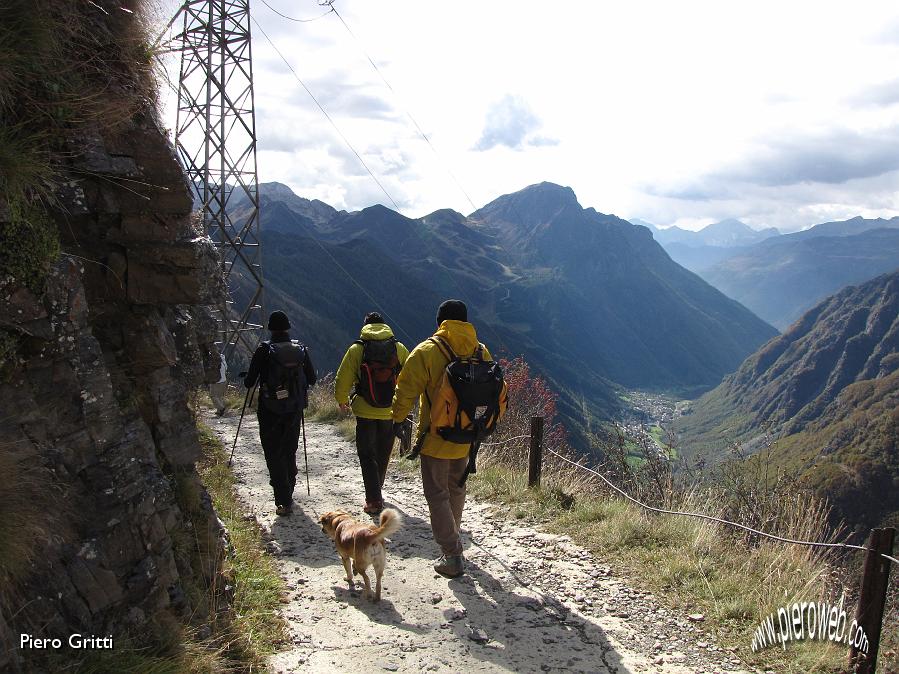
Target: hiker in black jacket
{"type": "Point", "coordinates": [284, 371]}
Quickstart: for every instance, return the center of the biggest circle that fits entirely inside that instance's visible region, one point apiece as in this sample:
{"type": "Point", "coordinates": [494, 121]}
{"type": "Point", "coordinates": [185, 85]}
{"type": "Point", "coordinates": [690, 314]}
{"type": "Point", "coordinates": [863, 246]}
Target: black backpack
{"type": "Point", "coordinates": [379, 370]}
{"type": "Point", "coordinates": [283, 389]}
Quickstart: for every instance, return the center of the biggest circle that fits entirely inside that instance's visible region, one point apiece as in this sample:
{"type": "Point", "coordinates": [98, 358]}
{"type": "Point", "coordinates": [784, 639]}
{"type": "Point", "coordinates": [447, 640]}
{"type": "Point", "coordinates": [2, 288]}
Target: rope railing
{"type": "Point", "coordinates": [719, 520]}
{"type": "Point", "coordinates": [505, 441]}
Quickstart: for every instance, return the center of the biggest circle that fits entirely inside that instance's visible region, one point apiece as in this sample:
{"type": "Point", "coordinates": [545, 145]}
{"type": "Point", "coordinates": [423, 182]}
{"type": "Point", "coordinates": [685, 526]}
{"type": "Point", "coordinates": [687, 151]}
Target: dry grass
{"type": "Point", "coordinates": [255, 627]}
{"type": "Point", "coordinates": [30, 513]}
{"type": "Point", "coordinates": [323, 407]}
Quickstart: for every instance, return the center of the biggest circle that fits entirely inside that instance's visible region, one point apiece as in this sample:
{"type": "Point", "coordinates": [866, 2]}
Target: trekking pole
{"type": "Point", "coordinates": [240, 421]}
{"type": "Point", "coordinates": [305, 458]}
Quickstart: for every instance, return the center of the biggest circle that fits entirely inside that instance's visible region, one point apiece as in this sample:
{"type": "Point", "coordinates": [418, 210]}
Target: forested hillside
{"type": "Point", "coordinates": [828, 391]}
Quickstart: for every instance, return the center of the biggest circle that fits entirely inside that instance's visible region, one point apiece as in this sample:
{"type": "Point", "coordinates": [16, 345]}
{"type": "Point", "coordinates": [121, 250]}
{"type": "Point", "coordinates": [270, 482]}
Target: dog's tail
{"type": "Point", "coordinates": [391, 521]}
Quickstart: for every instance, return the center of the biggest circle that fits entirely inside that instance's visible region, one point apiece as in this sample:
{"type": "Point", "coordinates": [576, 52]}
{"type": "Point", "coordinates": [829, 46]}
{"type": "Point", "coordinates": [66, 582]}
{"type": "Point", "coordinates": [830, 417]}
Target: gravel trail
{"type": "Point", "coordinates": [530, 601]}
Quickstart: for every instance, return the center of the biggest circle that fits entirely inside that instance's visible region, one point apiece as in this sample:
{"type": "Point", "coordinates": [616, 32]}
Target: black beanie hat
{"type": "Point", "coordinates": [452, 310]}
{"type": "Point", "coordinates": [373, 317]}
{"type": "Point", "coordinates": [278, 322]}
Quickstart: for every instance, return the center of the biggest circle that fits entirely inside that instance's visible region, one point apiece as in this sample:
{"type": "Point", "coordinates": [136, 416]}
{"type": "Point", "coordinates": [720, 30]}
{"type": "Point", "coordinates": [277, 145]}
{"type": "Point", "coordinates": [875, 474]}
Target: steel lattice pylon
{"type": "Point", "coordinates": [216, 140]}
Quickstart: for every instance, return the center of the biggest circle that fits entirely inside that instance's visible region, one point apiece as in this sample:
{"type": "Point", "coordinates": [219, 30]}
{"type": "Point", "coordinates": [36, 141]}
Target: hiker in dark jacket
{"type": "Point", "coordinates": [284, 371]}
{"type": "Point", "coordinates": [356, 386]}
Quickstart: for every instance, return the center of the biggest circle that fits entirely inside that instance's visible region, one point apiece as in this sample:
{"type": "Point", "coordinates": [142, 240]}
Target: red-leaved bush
{"type": "Point", "coordinates": [530, 396]}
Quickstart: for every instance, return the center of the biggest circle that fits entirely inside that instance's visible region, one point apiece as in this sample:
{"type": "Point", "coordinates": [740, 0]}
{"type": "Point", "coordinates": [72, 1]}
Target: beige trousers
{"type": "Point", "coordinates": [446, 499]}
{"type": "Point", "coordinates": [217, 393]}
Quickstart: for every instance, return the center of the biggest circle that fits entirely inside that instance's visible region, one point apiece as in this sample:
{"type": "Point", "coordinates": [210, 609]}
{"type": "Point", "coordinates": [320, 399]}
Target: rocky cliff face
{"type": "Point", "coordinates": [95, 424]}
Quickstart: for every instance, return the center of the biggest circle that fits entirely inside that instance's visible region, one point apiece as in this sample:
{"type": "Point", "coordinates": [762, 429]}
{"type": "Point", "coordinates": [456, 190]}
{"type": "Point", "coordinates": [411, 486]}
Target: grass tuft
{"type": "Point", "coordinates": [28, 516]}
{"type": "Point", "coordinates": [255, 629]}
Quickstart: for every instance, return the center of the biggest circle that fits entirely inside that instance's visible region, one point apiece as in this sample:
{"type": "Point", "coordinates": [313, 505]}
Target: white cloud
{"type": "Point", "coordinates": [771, 112]}
{"type": "Point", "coordinates": [511, 122]}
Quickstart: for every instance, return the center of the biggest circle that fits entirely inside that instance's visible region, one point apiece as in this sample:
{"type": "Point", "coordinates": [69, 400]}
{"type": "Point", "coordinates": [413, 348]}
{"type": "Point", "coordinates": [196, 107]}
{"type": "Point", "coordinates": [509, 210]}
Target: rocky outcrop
{"type": "Point", "coordinates": [95, 420]}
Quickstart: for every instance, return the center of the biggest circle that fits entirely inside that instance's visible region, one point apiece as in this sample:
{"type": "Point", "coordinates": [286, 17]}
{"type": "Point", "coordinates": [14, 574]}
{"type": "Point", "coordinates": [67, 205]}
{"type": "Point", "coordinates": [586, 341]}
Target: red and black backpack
{"type": "Point", "coordinates": [379, 370]}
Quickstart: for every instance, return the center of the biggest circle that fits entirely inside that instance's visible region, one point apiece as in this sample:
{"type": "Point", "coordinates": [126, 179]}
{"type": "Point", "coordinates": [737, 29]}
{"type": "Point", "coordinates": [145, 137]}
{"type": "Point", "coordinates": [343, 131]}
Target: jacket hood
{"type": "Point", "coordinates": [461, 336]}
{"type": "Point", "coordinates": [376, 332]}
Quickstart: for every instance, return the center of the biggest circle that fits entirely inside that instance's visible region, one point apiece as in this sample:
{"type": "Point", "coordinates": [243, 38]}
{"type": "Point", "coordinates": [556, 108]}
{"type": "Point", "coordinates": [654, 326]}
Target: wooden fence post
{"type": "Point", "coordinates": [535, 453]}
{"type": "Point", "coordinates": [871, 601]}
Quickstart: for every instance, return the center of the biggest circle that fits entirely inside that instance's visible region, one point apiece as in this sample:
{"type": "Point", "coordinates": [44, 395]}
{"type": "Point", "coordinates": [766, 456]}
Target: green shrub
{"type": "Point", "coordinates": [30, 246]}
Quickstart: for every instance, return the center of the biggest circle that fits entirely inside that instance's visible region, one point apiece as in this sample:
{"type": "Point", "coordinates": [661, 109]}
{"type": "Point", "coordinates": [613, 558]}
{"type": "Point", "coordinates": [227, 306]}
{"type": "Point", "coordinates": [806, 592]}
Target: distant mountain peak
{"type": "Point", "coordinates": [728, 224]}
{"type": "Point", "coordinates": [550, 189]}
{"type": "Point", "coordinates": [444, 215]}
{"type": "Point", "coordinates": [378, 208]}
{"type": "Point", "coordinates": [534, 205]}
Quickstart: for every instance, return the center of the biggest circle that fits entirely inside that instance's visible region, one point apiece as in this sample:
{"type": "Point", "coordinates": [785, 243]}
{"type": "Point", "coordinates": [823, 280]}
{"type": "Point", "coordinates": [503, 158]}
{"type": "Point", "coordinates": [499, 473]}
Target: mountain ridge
{"type": "Point", "coordinates": [591, 301]}
{"type": "Point", "coordinates": [781, 276]}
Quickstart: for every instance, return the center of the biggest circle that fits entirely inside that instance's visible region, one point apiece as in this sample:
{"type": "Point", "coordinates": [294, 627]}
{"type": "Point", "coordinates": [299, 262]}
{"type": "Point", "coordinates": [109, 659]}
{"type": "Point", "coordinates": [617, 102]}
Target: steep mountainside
{"type": "Point", "coordinates": [590, 300]}
{"type": "Point", "coordinates": [828, 389]}
{"type": "Point", "coordinates": [612, 294]}
{"type": "Point", "coordinates": [107, 284]}
{"type": "Point", "coordinates": [782, 277]}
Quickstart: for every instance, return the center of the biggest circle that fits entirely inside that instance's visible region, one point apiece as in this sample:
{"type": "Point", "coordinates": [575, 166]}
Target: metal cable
{"type": "Point", "coordinates": [290, 18]}
{"type": "Point", "coordinates": [325, 113]}
{"type": "Point", "coordinates": [452, 278]}
{"type": "Point", "coordinates": [503, 442]}
{"type": "Point", "coordinates": [718, 519]}
{"type": "Point", "coordinates": [408, 114]}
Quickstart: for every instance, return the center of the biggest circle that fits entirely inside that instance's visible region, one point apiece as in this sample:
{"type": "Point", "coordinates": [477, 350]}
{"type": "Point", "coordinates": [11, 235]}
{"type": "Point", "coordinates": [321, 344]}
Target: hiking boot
{"type": "Point", "coordinates": [283, 510]}
{"type": "Point", "coordinates": [373, 507]}
{"type": "Point", "coordinates": [450, 566]}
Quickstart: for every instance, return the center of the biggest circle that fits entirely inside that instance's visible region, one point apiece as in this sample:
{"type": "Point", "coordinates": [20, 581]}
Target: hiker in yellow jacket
{"type": "Point", "coordinates": [366, 379]}
{"type": "Point", "coordinates": [443, 463]}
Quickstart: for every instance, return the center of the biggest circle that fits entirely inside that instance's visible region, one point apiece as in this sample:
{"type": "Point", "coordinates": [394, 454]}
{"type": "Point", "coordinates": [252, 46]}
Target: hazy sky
{"type": "Point", "coordinates": [778, 113]}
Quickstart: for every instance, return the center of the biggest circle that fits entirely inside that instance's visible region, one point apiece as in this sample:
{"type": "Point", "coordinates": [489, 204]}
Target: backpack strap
{"type": "Point", "coordinates": [444, 347]}
{"type": "Point", "coordinates": [447, 352]}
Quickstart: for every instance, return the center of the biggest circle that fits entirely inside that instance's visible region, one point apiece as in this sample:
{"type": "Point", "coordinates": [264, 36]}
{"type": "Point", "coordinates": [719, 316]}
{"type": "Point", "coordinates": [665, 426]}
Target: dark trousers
{"type": "Point", "coordinates": [374, 444]}
{"type": "Point", "coordinates": [280, 434]}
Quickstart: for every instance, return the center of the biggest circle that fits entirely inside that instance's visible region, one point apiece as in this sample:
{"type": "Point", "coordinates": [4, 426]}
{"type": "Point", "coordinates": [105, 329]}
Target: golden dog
{"type": "Point", "coordinates": [363, 543]}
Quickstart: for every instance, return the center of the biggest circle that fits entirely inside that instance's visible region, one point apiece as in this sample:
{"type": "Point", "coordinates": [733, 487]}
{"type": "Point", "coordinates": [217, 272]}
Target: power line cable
{"type": "Point", "coordinates": [719, 520]}
{"type": "Point", "coordinates": [319, 243]}
{"type": "Point", "coordinates": [362, 161]}
{"type": "Point", "coordinates": [290, 18]}
{"type": "Point", "coordinates": [371, 173]}
{"type": "Point", "coordinates": [406, 110]}
{"type": "Point", "coordinates": [327, 116]}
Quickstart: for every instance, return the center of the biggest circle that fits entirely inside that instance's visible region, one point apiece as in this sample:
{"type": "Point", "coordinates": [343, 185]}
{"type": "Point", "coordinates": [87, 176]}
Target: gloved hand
{"type": "Point", "coordinates": [399, 429]}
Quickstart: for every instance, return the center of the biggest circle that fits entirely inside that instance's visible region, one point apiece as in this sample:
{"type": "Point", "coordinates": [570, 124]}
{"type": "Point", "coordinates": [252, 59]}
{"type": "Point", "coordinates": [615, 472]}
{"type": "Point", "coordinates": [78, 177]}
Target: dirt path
{"type": "Point", "coordinates": [530, 601]}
